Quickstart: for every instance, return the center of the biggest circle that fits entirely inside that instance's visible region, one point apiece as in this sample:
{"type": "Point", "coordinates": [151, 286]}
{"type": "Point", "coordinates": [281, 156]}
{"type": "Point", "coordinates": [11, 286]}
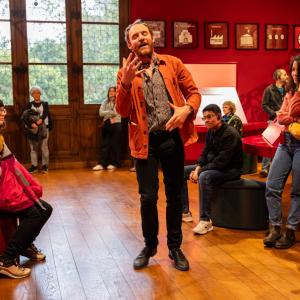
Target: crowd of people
{"type": "Point", "coordinates": [158, 96]}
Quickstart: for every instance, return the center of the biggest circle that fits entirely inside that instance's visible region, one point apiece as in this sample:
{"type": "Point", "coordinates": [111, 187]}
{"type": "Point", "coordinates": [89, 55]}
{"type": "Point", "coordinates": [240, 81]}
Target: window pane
{"type": "Point", "coordinates": [100, 43]}
{"type": "Point", "coordinates": [46, 10]}
{"type": "Point", "coordinates": [100, 10]}
{"type": "Point", "coordinates": [6, 84]}
{"type": "Point", "coordinates": [53, 81]}
{"type": "Point", "coordinates": [4, 9]}
{"type": "Point", "coordinates": [97, 80]}
{"type": "Point", "coordinates": [5, 45]}
{"type": "Point", "coordinates": [46, 42]}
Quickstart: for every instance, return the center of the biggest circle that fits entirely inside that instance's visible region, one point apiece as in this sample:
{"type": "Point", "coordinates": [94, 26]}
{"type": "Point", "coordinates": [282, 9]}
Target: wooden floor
{"type": "Point", "coordinates": [94, 235]}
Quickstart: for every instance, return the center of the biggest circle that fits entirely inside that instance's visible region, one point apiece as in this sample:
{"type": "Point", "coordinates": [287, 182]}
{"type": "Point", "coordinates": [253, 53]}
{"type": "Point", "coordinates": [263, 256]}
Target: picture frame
{"type": "Point", "coordinates": [216, 35]}
{"type": "Point", "coordinates": [185, 34]}
{"type": "Point", "coordinates": [246, 36]}
{"type": "Point", "coordinates": [276, 36]}
{"type": "Point", "coordinates": [296, 34]}
{"type": "Point", "coordinates": [159, 32]}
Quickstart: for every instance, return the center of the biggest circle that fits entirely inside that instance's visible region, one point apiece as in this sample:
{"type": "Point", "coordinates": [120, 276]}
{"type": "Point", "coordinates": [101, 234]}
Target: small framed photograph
{"type": "Point", "coordinates": [296, 37]}
{"type": "Point", "coordinates": [276, 36]}
{"type": "Point", "coordinates": [159, 33]}
{"type": "Point", "coordinates": [216, 35]}
{"type": "Point", "coordinates": [246, 36]}
{"type": "Point", "coordinates": [185, 34]}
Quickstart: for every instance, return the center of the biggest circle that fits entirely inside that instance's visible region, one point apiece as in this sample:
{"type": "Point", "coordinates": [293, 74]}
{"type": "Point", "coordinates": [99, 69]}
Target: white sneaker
{"type": "Point", "coordinates": [110, 167]}
{"type": "Point", "coordinates": [187, 217]}
{"type": "Point", "coordinates": [203, 227]}
{"type": "Point", "coordinates": [98, 168]}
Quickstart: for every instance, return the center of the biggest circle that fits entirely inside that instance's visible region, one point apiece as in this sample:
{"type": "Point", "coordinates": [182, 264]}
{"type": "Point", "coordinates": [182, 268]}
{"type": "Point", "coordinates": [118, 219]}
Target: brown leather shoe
{"type": "Point", "coordinates": [142, 259]}
{"type": "Point", "coordinates": [273, 236]}
{"type": "Point", "coordinates": [287, 239]}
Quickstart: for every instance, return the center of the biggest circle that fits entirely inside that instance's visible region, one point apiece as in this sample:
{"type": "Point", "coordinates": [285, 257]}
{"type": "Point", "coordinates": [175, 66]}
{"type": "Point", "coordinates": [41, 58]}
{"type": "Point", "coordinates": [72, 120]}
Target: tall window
{"type": "Point", "coordinates": [5, 54]}
{"type": "Point", "coordinates": [47, 55]}
{"type": "Point", "coordinates": [100, 41]}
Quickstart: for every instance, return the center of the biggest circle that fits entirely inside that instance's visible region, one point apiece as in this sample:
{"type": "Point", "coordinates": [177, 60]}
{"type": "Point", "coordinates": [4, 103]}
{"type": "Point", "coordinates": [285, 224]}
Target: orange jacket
{"type": "Point", "coordinates": [131, 103]}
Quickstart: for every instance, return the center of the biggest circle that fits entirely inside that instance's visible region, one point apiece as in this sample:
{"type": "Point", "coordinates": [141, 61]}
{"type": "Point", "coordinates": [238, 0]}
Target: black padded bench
{"type": "Point", "coordinates": [240, 204]}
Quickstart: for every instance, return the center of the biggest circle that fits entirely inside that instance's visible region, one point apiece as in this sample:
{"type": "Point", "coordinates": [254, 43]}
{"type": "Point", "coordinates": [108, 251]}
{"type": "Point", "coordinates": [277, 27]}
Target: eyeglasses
{"type": "Point", "coordinates": [3, 110]}
{"type": "Point", "coordinates": [207, 117]}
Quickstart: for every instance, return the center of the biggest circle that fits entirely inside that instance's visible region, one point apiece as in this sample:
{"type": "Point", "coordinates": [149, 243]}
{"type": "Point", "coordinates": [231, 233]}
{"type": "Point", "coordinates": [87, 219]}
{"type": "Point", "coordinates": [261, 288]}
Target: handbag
{"type": "Point", "coordinates": [294, 130]}
{"type": "Point", "coordinates": [272, 133]}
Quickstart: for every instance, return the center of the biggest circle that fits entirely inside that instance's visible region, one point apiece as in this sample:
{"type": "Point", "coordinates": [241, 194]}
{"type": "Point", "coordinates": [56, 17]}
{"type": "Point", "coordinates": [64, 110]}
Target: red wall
{"type": "Point", "coordinates": [255, 67]}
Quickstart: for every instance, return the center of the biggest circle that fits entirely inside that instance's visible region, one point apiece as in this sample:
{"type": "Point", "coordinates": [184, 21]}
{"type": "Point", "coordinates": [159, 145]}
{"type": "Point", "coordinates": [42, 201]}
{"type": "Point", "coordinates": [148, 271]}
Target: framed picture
{"type": "Point", "coordinates": [185, 34]}
{"type": "Point", "coordinates": [216, 35]}
{"type": "Point", "coordinates": [296, 37]}
{"type": "Point", "coordinates": [276, 36]}
{"type": "Point", "coordinates": [159, 33]}
{"type": "Point", "coordinates": [246, 36]}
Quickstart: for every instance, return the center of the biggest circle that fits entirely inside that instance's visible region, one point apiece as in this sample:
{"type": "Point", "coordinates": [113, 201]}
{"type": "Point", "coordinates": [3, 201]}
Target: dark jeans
{"type": "Point", "coordinates": [208, 182]}
{"type": "Point", "coordinates": [31, 221]}
{"type": "Point", "coordinates": [184, 191]}
{"type": "Point", "coordinates": [165, 148]}
{"type": "Point", "coordinates": [110, 147]}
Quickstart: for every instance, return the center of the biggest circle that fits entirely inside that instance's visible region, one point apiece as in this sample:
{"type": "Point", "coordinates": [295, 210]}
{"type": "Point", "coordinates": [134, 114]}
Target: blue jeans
{"type": "Point", "coordinates": [265, 163]}
{"type": "Point", "coordinates": [208, 181]}
{"type": "Point", "coordinates": [287, 159]}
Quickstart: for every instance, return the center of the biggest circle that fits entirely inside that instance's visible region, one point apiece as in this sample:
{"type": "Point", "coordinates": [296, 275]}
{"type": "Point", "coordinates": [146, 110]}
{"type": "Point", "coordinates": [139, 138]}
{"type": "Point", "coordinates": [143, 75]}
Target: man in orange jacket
{"type": "Point", "coordinates": [160, 98]}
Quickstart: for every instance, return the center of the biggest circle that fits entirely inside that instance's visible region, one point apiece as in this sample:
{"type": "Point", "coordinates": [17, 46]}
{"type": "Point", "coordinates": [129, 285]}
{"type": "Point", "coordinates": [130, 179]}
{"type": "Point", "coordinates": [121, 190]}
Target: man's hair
{"type": "Point", "coordinates": [138, 21]}
{"type": "Point", "coordinates": [231, 105]}
{"type": "Point", "coordinates": [1, 103]}
{"type": "Point", "coordinates": [276, 74]}
{"type": "Point", "coordinates": [213, 108]}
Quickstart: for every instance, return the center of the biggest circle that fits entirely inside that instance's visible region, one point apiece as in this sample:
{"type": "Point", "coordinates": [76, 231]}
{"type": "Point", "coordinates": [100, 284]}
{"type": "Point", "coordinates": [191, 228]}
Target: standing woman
{"type": "Point", "coordinates": [42, 108]}
{"type": "Point", "coordinates": [286, 160]}
{"type": "Point", "coordinates": [111, 133]}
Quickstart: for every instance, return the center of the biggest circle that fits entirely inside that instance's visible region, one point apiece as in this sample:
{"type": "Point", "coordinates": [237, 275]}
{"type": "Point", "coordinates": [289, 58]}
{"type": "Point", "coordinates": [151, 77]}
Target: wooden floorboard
{"type": "Point", "coordinates": [94, 234]}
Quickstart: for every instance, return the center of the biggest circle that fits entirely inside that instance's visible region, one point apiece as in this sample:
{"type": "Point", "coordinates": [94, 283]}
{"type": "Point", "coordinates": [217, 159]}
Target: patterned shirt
{"type": "Point", "coordinates": [157, 99]}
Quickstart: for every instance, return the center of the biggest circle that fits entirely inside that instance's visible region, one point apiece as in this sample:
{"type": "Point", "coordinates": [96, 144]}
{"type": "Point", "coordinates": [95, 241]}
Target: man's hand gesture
{"type": "Point", "coordinates": [130, 69]}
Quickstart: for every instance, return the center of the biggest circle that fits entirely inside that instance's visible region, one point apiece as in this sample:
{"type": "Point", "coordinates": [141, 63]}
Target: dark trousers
{"type": "Point", "coordinates": [110, 147]}
{"type": "Point", "coordinates": [209, 181]}
{"type": "Point", "coordinates": [165, 148]}
{"type": "Point", "coordinates": [31, 221]}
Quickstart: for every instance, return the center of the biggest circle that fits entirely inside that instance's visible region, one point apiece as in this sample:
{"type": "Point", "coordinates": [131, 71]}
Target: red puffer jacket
{"type": "Point", "coordinates": [18, 189]}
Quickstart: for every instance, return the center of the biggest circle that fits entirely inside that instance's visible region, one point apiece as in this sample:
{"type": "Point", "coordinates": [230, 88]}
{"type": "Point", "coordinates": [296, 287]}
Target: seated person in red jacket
{"type": "Point", "coordinates": [20, 197]}
{"type": "Point", "coordinates": [220, 161]}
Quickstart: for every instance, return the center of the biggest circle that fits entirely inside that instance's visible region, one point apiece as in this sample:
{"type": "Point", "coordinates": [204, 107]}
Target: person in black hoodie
{"type": "Point", "coordinates": [44, 122]}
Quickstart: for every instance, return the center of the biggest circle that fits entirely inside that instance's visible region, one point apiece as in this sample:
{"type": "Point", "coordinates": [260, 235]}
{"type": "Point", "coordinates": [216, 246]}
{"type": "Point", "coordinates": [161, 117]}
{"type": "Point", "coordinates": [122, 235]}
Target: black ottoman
{"type": "Point", "coordinates": [240, 204]}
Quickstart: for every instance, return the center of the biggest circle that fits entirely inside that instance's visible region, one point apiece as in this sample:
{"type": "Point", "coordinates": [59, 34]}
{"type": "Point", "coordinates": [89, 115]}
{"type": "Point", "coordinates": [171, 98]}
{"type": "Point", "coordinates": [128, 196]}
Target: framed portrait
{"type": "Point", "coordinates": [296, 37]}
{"type": "Point", "coordinates": [159, 33]}
{"type": "Point", "coordinates": [276, 36]}
{"type": "Point", "coordinates": [185, 34]}
{"type": "Point", "coordinates": [246, 36]}
{"type": "Point", "coordinates": [216, 35]}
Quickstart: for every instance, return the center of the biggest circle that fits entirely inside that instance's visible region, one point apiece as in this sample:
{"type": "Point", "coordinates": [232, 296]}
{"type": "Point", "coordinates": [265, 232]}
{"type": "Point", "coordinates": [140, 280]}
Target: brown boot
{"type": "Point", "coordinates": [273, 236]}
{"type": "Point", "coordinates": [287, 239]}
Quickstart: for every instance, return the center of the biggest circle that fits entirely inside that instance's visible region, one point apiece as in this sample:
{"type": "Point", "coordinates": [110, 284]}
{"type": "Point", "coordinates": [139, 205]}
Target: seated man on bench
{"type": "Point", "coordinates": [220, 161]}
{"type": "Point", "coordinates": [20, 197]}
